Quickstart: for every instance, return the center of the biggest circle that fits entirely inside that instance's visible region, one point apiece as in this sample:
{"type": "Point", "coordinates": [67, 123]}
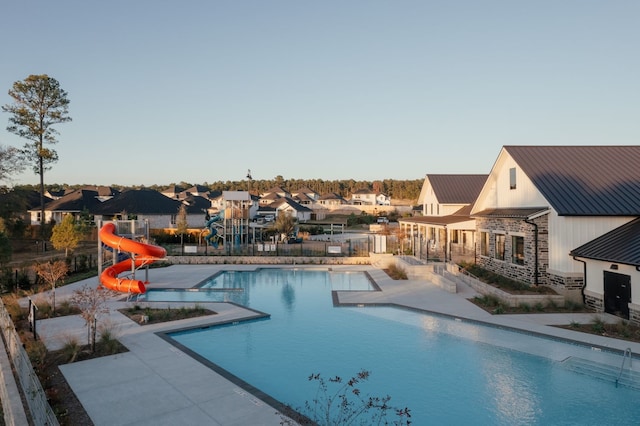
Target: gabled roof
{"type": "Point", "coordinates": [303, 197]}
{"type": "Point", "coordinates": [457, 189]}
{"type": "Point", "coordinates": [584, 180]}
{"type": "Point", "coordinates": [103, 191]}
{"type": "Point", "coordinates": [304, 190]}
{"type": "Point", "coordinates": [294, 205]}
{"type": "Point", "coordinates": [622, 245]}
{"type": "Point", "coordinates": [364, 191]}
{"type": "Point", "coordinates": [139, 201]}
{"type": "Point", "coordinates": [197, 204]}
{"type": "Point", "coordinates": [21, 200]}
{"type": "Point", "coordinates": [276, 190]}
{"type": "Point", "coordinates": [75, 201]}
{"type": "Point", "coordinates": [332, 196]}
{"type": "Point", "coordinates": [172, 190]}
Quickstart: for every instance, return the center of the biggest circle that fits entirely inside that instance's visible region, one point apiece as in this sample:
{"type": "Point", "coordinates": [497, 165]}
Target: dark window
{"type": "Point", "coordinates": [500, 238]}
{"type": "Point", "coordinates": [517, 250]}
{"type": "Point", "coordinates": [512, 178]}
{"type": "Point", "coordinates": [484, 243]}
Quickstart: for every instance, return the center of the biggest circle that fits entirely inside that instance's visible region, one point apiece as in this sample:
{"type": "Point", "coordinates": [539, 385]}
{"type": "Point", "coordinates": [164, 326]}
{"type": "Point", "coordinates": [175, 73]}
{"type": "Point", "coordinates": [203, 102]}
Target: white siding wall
{"type": "Point", "coordinates": [569, 232]}
{"type": "Point", "coordinates": [595, 277]}
{"type": "Point", "coordinates": [447, 209]}
{"type": "Point", "coordinates": [525, 194]}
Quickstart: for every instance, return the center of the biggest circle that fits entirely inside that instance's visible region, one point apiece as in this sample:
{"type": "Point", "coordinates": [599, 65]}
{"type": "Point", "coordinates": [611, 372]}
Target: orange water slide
{"type": "Point", "coordinates": [146, 254]}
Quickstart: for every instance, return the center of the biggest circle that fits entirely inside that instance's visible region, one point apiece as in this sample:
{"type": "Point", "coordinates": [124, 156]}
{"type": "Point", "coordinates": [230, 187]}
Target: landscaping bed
{"type": "Point", "coordinates": [63, 401]}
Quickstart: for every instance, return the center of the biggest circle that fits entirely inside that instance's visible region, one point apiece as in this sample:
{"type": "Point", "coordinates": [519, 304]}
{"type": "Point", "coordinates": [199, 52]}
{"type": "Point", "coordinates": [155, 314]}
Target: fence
{"type": "Point", "coordinates": [41, 411]}
{"type": "Point", "coordinates": [357, 248]}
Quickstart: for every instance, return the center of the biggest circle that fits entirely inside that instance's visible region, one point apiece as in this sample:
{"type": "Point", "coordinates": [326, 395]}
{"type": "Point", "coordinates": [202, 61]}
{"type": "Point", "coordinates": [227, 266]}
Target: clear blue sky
{"type": "Point", "coordinates": [201, 91]}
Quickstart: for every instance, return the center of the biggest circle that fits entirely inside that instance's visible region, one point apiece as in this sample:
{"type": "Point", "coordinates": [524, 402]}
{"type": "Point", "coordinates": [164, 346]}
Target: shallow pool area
{"type": "Point", "coordinates": [445, 371]}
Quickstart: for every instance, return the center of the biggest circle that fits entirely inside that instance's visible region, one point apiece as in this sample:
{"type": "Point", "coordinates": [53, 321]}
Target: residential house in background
{"type": "Point", "coordinates": [540, 203]}
{"type": "Point", "coordinates": [331, 199]}
{"type": "Point", "coordinates": [366, 197]}
{"type": "Point", "coordinates": [305, 196]}
{"type": "Point", "coordinates": [74, 203]}
{"type": "Point", "coordinates": [145, 204]}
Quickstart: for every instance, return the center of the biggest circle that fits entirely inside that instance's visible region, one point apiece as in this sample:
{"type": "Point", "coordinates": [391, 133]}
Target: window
{"type": "Point", "coordinates": [517, 250]}
{"type": "Point", "coordinates": [173, 219]}
{"type": "Point", "coordinates": [500, 239]}
{"type": "Point", "coordinates": [512, 178]}
{"type": "Point", "coordinates": [484, 243]}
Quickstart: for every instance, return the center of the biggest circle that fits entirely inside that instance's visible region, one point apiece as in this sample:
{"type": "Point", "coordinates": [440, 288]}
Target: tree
{"type": "Point", "coordinates": [92, 303]}
{"type": "Point", "coordinates": [39, 103]}
{"type": "Point", "coordinates": [51, 273]}
{"type": "Point", "coordinates": [66, 235]}
{"type": "Point", "coordinates": [11, 162]}
{"type": "Point", "coordinates": [181, 224]}
{"type": "Point", "coordinates": [5, 248]}
{"type": "Point", "coordinates": [284, 224]}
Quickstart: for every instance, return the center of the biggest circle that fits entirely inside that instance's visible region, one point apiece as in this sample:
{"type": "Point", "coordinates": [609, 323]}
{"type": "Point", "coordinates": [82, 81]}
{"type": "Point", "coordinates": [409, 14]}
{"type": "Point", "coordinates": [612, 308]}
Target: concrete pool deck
{"type": "Point", "coordinates": [157, 384]}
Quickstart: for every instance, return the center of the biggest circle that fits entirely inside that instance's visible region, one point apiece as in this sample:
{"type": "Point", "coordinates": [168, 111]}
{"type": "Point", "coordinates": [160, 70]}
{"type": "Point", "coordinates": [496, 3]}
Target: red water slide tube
{"type": "Point", "coordinates": [145, 254]}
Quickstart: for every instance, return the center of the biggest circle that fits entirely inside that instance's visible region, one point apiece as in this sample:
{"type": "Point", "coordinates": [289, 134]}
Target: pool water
{"type": "Point", "coordinates": [444, 371]}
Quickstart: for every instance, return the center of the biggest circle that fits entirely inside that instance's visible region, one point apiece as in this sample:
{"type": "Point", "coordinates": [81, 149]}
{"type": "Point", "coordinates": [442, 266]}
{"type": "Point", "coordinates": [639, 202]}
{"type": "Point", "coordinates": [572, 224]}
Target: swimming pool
{"type": "Point", "coordinates": [445, 371]}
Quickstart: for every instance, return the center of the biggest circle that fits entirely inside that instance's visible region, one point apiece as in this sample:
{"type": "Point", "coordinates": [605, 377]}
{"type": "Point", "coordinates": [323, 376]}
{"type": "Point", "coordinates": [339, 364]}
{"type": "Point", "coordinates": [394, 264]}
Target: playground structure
{"type": "Point", "coordinates": [128, 254]}
{"type": "Point", "coordinates": [216, 230]}
{"type": "Point", "coordinates": [230, 226]}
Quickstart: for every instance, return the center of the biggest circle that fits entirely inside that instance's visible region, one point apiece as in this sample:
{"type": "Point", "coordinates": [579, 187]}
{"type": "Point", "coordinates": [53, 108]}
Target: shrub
{"type": "Point", "coordinates": [71, 349]}
{"type": "Point", "coordinates": [108, 342]}
{"type": "Point", "coordinates": [396, 272]}
{"type": "Point", "coordinates": [37, 352]}
{"type": "Point", "coordinates": [598, 325]}
{"type": "Point", "coordinates": [341, 402]}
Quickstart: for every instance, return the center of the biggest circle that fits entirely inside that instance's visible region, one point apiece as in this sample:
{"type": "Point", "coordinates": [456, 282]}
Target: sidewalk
{"type": "Point", "coordinates": [157, 384]}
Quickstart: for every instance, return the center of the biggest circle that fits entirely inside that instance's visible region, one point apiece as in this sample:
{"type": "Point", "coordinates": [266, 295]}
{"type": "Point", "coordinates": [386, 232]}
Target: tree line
{"type": "Point", "coordinates": [394, 188]}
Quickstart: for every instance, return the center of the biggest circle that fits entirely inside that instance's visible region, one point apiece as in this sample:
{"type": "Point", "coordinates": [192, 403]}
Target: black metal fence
{"type": "Point", "coordinates": [356, 248]}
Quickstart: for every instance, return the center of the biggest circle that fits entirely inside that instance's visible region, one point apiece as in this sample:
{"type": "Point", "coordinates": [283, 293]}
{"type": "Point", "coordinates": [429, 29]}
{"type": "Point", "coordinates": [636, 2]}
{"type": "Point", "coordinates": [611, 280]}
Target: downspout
{"type": "Point", "coordinates": [584, 273]}
{"type": "Point", "coordinates": [535, 242]}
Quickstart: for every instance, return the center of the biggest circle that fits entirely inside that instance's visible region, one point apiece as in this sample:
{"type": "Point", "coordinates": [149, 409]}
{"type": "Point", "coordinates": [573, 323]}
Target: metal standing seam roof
{"type": "Point", "coordinates": [457, 189]}
{"type": "Point", "coordinates": [435, 220]}
{"type": "Point", "coordinates": [584, 180]}
{"type": "Point", "coordinates": [622, 245]}
{"type": "Point", "coordinates": [511, 212]}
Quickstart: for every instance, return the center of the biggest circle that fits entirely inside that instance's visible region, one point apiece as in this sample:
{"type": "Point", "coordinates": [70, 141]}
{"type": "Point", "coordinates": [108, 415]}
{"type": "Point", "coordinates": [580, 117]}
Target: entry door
{"type": "Point", "coordinates": [617, 294]}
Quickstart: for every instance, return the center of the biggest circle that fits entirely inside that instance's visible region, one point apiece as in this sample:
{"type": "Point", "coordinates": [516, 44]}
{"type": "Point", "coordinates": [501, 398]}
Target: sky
{"type": "Point", "coordinates": [201, 91]}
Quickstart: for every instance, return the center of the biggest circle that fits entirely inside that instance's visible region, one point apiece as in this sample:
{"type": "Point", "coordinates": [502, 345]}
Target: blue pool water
{"type": "Point", "coordinates": [445, 371]}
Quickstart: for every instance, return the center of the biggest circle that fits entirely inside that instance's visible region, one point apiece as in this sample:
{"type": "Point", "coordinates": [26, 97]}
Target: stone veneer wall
{"type": "Point", "coordinates": [634, 314]}
{"type": "Point", "coordinates": [566, 284]}
{"type": "Point", "coordinates": [594, 301]}
{"type": "Point", "coordinates": [526, 272]}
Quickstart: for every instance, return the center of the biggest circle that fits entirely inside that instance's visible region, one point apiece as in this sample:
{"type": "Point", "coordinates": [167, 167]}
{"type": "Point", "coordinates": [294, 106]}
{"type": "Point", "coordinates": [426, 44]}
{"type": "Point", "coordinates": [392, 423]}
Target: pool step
{"type": "Point", "coordinates": [606, 372]}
